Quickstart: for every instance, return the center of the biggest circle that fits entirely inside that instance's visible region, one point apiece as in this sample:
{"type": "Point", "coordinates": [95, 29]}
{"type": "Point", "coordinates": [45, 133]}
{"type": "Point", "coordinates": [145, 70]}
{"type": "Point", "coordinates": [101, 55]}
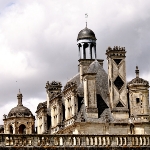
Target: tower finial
{"type": "Point", "coordinates": [137, 72]}
{"type": "Point", "coordinates": [19, 96]}
{"type": "Point", "coordinates": [86, 16]}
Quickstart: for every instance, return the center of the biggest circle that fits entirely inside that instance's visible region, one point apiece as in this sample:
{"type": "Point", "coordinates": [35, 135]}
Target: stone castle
{"type": "Point", "coordinates": [92, 102]}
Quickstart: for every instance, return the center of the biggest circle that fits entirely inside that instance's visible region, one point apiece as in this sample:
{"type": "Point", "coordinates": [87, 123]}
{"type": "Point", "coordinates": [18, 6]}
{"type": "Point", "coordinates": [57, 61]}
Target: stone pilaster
{"type": "Point", "coordinates": [90, 99]}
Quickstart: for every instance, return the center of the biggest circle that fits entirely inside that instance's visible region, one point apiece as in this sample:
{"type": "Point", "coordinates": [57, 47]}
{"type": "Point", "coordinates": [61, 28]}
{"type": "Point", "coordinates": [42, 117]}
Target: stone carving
{"type": "Point", "coordinates": [132, 128]}
{"type": "Point", "coordinates": [107, 120]}
{"type": "Point", "coordinates": [40, 105]}
{"type": "Point", "coordinates": [54, 95]}
{"type": "Point", "coordinates": [4, 116]}
{"type": "Point", "coordinates": [116, 48]}
{"type": "Point", "coordinates": [54, 85]}
{"type": "Point", "coordinates": [82, 117]}
{"type": "Point", "coordinates": [69, 85]}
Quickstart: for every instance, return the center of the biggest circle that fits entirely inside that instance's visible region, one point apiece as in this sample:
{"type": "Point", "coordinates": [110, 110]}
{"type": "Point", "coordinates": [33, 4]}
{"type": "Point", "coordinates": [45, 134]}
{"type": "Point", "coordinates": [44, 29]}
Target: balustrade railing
{"type": "Point", "coordinates": [74, 140]}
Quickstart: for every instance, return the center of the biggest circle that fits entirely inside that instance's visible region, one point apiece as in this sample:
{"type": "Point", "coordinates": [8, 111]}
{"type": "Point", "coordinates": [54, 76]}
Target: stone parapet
{"type": "Point", "coordinates": [62, 141]}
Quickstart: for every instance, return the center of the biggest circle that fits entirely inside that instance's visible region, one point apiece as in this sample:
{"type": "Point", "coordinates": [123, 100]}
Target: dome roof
{"type": "Point", "coordinates": [138, 81]}
{"type": "Point", "coordinates": [20, 111]}
{"type": "Point", "coordinates": [86, 34]}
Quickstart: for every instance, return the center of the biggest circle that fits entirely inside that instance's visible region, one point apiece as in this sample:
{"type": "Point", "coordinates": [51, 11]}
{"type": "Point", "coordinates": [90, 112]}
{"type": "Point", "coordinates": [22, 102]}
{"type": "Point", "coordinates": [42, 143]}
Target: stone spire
{"type": "Point", "coordinates": [19, 97]}
{"type": "Point", "coordinates": [137, 72]}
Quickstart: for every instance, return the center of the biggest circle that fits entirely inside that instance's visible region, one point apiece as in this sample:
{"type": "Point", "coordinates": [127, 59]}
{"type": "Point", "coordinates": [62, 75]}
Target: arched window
{"type": "Point", "coordinates": [22, 129]}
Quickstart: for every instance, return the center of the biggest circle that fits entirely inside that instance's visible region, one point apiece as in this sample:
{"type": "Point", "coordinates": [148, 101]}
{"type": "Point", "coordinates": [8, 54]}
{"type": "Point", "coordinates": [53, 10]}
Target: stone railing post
{"type": "Point", "coordinates": [35, 140]}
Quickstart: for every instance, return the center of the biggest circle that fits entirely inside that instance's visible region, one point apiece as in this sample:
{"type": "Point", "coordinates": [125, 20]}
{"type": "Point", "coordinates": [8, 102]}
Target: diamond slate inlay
{"type": "Point", "coordinates": [118, 83]}
{"type": "Point", "coordinates": [117, 61]}
{"type": "Point", "coordinates": [119, 104]}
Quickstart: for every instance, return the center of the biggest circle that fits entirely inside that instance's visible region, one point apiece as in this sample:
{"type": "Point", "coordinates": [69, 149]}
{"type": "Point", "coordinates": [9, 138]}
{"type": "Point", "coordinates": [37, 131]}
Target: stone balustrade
{"type": "Point", "coordinates": [36, 140]}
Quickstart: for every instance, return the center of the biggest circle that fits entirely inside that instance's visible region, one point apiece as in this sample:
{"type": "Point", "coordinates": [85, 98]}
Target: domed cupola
{"type": "Point", "coordinates": [86, 42]}
{"type": "Point", "coordinates": [19, 120]}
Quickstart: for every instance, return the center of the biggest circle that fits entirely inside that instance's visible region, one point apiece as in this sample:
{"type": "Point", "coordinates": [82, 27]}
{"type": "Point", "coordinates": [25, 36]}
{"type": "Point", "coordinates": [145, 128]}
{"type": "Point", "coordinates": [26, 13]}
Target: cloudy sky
{"type": "Point", "coordinates": [38, 42]}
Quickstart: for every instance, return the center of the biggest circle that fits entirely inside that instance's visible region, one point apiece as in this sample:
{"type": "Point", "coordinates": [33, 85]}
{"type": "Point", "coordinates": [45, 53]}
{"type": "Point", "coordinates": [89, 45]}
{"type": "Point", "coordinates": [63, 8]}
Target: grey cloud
{"type": "Point", "coordinates": [48, 40]}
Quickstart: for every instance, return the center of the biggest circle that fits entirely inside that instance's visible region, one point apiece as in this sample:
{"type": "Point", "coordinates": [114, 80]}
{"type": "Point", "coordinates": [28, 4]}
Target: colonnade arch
{"type": "Point", "coordinates": [87, 50]}
{"type": "Point", "coordinates": [22, 129]}
{"type": "Point", "coordinates": [10, 129]}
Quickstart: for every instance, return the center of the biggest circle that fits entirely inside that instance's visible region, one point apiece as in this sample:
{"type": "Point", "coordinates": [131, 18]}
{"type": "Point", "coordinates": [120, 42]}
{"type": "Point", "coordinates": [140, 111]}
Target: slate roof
{"type": "Point", "coordinates": [76, 79]}
{"type": "Point", "coordinates": [101, 80]}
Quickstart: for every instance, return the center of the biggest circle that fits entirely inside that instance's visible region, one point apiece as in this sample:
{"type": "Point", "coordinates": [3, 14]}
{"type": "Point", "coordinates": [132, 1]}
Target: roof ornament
{"type": "Point", "coordinates": [19, 96]}
{"type": "Point", "coordinates": [19, 91]}
{"type": "Point", "coordinates": [137, 72]}
{"type": "Point", "coordinates": [4, 116]}
{"type": "Point", "coordinates": [86, 16]}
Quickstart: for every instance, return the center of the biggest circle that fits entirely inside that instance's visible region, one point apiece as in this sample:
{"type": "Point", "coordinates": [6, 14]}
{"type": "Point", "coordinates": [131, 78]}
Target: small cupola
{"type": "Point", "coordinates": [137, 81]}
{"type": "Point", "coordinates": [86, 42]}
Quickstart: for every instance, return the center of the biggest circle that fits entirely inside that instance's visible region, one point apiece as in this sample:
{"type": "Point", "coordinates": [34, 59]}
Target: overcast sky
{"type": "Point", "coordinates": [38, 42]}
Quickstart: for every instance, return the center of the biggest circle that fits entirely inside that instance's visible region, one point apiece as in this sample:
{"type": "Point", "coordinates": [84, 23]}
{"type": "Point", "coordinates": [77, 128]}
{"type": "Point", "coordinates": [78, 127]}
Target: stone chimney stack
{"type": "Point", "coordinates": [117, 82]}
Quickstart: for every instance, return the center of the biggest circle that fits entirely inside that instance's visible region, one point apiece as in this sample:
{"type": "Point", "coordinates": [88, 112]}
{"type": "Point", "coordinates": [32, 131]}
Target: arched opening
{"type": "Point", "coordinates": [33, 129]}
{"type": "Point", "coordinates": [80, 51]}
{"type": "Point", "coordinates": [22, 129]}
{"type": "Point", "coordinates": [91, 50]}
{"type": "Point", "coordinates": [10, 129]}
{"type": "Point", "coordinates": [84, 50]}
